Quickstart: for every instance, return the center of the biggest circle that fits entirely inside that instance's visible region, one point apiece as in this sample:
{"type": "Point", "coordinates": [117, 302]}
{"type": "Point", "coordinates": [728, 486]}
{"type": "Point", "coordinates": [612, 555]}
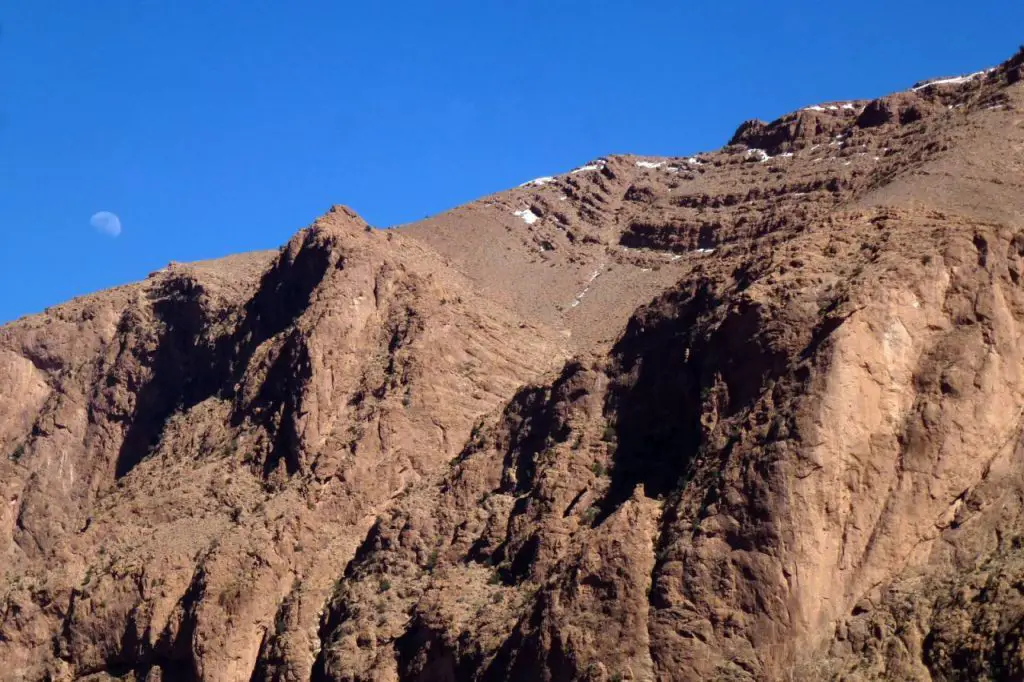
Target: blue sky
{"type": "Point", "coordinates": [211, 128]}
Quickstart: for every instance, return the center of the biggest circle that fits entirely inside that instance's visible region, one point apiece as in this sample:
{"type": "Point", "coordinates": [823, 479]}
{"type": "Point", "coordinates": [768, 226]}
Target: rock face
{"type": "Point", "coordinates": [755, 415]}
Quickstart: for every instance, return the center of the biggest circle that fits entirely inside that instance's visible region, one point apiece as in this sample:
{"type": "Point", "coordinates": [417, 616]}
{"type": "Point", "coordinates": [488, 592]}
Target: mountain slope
{"type": "Point", "coordinates": [751, 415]}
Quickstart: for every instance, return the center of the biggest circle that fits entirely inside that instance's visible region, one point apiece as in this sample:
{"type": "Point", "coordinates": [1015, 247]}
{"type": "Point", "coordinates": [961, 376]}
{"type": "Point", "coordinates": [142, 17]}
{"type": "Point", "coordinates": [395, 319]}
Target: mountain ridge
{"type": "Point", "coordinates": [654, 418]}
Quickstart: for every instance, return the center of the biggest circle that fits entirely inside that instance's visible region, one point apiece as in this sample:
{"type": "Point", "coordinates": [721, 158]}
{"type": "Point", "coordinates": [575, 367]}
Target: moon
{"type": "Point", "coordinates": [106, 223]}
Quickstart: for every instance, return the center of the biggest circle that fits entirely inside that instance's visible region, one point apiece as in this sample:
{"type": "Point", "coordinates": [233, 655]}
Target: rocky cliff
{"type": "Point", "coordinates": [751, 415]}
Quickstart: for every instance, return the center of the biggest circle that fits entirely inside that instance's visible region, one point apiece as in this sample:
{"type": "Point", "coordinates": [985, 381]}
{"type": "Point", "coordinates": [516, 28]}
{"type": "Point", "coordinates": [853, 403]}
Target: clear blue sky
{"type": "Point", "coordinates": [217, 127]}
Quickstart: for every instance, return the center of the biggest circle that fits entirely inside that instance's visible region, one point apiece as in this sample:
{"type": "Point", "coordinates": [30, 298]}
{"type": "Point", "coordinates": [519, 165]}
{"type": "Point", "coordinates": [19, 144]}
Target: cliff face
{"type": "Point", "coordinates": [754, 415]}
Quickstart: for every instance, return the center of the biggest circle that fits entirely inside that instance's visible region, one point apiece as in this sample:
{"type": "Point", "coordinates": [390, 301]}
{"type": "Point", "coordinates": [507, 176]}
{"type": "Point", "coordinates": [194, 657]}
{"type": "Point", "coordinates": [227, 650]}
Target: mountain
{"type": "Point", "coordinates": [751, 415]}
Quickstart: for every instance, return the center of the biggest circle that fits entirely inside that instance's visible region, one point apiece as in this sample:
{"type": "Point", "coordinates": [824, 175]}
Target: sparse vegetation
{"type": "Point", "coordinates": [432, 561]}
{"type": "Point", "coordinates": [384, 585]}
{"type": "Point", "coordinates": [598, 469]}
{"type": "Point", "coordinates": [608, 435]}
{"type": "Point", "coordinates": [17, 453]}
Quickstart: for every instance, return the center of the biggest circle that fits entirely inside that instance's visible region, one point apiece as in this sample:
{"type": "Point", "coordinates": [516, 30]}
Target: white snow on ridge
{"type": "Point", "coordinates": [956, 80]}
{"type": "Point", "coordinates": [598, 164]}
{"type": "Point", "coordinates": [831, 107]}
{"type": "Point", "coordinates": [649, 164]}
{"type": "Point", "coordinates": [537, 182]}
{"type": "Point", "coordinates": [528, 216]}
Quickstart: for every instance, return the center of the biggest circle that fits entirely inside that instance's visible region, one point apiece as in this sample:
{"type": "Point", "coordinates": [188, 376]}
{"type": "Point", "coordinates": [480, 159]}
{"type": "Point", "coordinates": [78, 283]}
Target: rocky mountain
{"type": "Point", "coordinates": [751, 415]}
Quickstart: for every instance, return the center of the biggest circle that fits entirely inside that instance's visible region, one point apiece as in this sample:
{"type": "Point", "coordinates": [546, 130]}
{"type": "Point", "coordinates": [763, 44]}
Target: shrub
{"type": "Point", "coordinates": [432, 561]}
{"type": "Point", "coordinates": [609, 434]}
{"type": "Point", "coordinates": [384, 585]}
{"type": "Point", "coordinates": [597, 468]}
{"type": "Point", "coordinates": [17, 453]}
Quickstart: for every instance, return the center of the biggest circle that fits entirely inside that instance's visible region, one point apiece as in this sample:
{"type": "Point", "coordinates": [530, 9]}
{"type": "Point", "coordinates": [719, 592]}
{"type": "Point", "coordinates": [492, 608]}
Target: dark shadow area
{"type": "Point", "coordinates": [187, 367]}
{"type": "Point", "coordinates": [533, 422]}
{"type": "Point", "coordinates": [522, 656]}
{"type": "Point", "coordinates": [669, 362]}
{"type": "Point", "coordinates": [654, 402]}
{"type": "Point", "coordinates": [283, 295]}
{"type": "Point", "coordinates": [279, 401]}
{"type": "Point", "coordinates": [183, 370]}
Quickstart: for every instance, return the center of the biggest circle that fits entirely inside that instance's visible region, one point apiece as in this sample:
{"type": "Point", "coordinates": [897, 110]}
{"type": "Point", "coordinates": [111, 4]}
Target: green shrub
{"type": "Point", "coordinates": [384, 585]}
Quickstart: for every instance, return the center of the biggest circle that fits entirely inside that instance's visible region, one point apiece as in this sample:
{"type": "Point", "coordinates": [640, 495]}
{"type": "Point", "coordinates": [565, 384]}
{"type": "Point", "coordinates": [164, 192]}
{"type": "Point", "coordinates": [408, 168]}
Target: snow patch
{"type": "Point", "coordinates": [594, 275]}
{"type": "Point", "coordinates": [761, 154]}
{"type": "Point", "coordinates": [649, 164]}
{"type": "Point", "coordinates": [528, 216]}
{"type": "Point", "coordinates": [537, 182]}
{"type": "Point", "coordinates": [597, 164]}
{"type": "Point", "coordinates": [957, 80]}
